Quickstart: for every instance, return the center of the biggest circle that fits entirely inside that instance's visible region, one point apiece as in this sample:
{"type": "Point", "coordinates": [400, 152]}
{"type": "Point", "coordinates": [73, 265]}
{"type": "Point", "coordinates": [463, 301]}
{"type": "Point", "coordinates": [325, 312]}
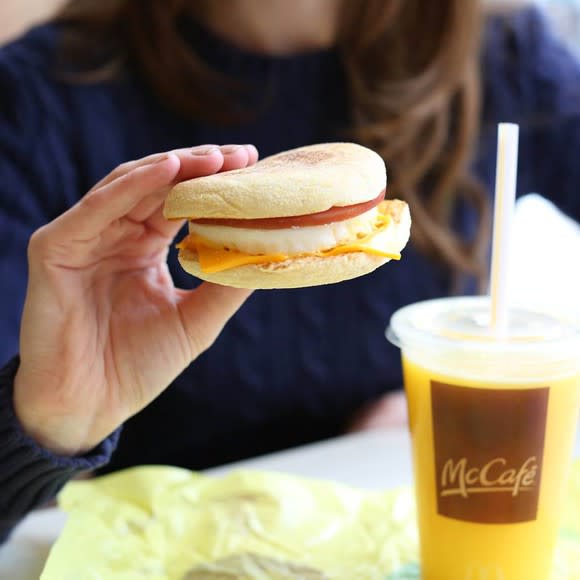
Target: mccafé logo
{"type": "Point", "coordinates": [488, 447]}
{"type": "Point", "coordinates": [458, 478]}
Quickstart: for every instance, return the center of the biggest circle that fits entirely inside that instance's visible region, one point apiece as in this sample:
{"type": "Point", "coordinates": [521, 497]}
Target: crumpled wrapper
{"type": "Point", "coordinates": [164, 523]}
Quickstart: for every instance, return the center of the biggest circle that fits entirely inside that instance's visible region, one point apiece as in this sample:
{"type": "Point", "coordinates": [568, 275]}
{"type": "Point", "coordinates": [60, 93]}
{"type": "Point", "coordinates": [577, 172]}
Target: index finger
{"type": "Point", "coordinates": [223, 154]}
{"type": "Point", "coordinates": [100, 208]}
{"type": "Point", "coordinates": [129, 166]}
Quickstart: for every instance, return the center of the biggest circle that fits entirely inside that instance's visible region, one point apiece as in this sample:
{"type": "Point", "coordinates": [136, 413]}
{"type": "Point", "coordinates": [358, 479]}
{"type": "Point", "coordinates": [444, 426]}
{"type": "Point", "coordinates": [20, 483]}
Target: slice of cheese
{"type": "Point", "coordinates": [213, 258]}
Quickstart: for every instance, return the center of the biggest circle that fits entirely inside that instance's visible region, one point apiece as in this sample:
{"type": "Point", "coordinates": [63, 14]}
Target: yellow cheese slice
{"type": "Point", "coordinates": [214, 259]}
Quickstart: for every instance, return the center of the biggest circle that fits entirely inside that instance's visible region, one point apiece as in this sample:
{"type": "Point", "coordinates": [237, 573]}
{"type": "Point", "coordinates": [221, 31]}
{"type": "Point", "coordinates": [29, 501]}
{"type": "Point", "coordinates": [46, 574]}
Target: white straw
{"type": "Point", "coordinates": [505, 195]}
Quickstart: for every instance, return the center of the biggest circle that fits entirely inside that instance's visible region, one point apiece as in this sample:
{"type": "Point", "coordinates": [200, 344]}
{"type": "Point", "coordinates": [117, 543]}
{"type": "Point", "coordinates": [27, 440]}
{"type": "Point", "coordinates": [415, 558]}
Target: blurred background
{"type": "Point", "coordinates": [542, 233]}
{"type": "Point", "coordinates": [565, 15]}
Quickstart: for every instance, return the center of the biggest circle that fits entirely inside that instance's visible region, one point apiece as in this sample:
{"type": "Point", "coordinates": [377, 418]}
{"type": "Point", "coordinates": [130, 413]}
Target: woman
{"type": "Point", "coordinates": [104, 332]}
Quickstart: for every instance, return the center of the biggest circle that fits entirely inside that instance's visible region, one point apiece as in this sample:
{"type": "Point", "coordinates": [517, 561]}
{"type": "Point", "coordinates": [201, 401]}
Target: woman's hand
{"type": "Point", "coordinates": [389, 412]}
{"type": "Point", "coordinates": [104, 330]}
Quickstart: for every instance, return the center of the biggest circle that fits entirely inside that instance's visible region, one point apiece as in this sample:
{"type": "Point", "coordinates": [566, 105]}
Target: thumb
{"type": "Point", "coordinates": [205, 311]}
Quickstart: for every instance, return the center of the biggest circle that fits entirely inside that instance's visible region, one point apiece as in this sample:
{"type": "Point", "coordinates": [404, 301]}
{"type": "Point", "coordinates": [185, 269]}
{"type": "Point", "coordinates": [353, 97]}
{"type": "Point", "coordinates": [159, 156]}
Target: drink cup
{"type": "Point", "coordinates": [492, 423]}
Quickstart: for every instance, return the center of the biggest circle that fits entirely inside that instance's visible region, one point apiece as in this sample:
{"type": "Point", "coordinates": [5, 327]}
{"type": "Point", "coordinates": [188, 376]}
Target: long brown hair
{"type": "Point", "coordinates": [413, 73]}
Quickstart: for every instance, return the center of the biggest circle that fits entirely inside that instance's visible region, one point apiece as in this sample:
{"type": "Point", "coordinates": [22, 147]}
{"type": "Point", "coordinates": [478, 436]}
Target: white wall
{"type": "Point", "coordinates": [546, 248]}
{"type": "Point", "coordinates": [565, 15]}
{"type": "Point", "coordinates": [545, 258]}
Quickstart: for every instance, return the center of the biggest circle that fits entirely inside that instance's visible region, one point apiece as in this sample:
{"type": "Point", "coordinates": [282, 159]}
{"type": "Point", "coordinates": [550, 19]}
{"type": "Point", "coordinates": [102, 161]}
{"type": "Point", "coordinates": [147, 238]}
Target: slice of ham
{"type": "Point", "coordinates": [334, 214]}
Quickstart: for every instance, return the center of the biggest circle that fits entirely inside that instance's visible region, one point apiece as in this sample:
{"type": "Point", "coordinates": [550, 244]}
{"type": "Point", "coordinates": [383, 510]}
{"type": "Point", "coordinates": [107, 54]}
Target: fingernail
{"type": "Point", "coordinates": [230, 148]}
{"type": "Point", "coordinates": [204, 150]}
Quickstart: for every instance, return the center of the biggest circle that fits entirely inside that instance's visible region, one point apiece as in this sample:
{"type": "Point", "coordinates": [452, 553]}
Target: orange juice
{"type": "Point", "coordinates": [453, 548]}
{"type": "Point", "coordinates": [492, 424]}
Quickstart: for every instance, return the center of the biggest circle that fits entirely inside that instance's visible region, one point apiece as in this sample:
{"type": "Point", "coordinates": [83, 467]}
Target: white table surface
{"type": "Point", "coordinates": [372, 460]}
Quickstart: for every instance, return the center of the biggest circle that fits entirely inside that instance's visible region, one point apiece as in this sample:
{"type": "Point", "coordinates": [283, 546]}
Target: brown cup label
{"type": "Point", "coordinates": [489, 445]}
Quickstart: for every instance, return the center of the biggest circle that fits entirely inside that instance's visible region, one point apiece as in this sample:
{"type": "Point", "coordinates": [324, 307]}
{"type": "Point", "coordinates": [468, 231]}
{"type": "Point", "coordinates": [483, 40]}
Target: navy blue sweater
{"type": "Point", "coordinates": [292, 366]}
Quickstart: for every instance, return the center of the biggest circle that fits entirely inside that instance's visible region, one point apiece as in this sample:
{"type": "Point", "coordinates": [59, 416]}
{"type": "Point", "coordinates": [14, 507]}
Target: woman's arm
{"type": "Point", "coordinates": [30, 475]}
{"type": "Point", "coordinates": [104, 331]}
{"type": "Point", "coordinates": [98, 294]}
{"type": "Point", "coordinates": [32, 167]}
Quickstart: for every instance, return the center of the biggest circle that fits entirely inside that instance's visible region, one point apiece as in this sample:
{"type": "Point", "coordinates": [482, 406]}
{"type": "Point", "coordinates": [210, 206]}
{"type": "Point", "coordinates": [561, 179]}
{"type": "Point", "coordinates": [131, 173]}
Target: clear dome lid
{"type": "Point", "coordinates": [463, 325]}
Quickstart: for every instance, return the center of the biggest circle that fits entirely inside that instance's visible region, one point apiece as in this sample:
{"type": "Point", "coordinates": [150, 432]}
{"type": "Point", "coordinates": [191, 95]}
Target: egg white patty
{"type": "Point", "coordinates": [293, 240]}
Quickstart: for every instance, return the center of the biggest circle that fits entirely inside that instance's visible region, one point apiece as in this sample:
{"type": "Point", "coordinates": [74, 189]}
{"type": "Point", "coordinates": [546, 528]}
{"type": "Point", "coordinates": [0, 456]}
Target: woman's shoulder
{"type": "Point", "coordinates": [531, 77]}
{"type": "Point", "coordinates": [40, 94]}
{"type": "Point", "coordinates": [40, 53]}
{"type": "Point", "coordinates": [527, 68]}
{"type": "Point", "coordinates": [75, 131]}
{"type": "Point", "coordinates": [27, 91]}
{"type": "Point", "coordinates": [37, 65]}
{"type": "Point", "coordinates": [36, 48]}
{"type": "Point", "coordinates": [31, 81]}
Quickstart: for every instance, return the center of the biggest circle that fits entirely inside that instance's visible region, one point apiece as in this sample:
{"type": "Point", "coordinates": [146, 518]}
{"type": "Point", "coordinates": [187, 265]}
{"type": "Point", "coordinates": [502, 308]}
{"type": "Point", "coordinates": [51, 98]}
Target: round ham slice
{"type": "Point", "coordinates": [332, 215]}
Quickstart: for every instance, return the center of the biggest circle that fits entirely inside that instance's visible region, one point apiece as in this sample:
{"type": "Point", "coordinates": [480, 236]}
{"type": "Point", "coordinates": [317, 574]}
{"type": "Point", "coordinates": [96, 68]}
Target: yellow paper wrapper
{"type": "Point", "coordinates": [162, 523]}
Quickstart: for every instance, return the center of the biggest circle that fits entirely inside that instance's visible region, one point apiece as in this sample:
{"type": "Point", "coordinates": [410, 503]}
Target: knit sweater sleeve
{"type": "Point", "coordinates": [533, 79]}
{"type": "Point", "coordinates": [30, 475]}
{"type": "Point", "coordinates": [37, 182]}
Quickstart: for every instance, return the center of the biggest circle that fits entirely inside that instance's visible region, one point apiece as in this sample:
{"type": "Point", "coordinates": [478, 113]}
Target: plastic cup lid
{"type": "Point", "coordinates": [449, 323]}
